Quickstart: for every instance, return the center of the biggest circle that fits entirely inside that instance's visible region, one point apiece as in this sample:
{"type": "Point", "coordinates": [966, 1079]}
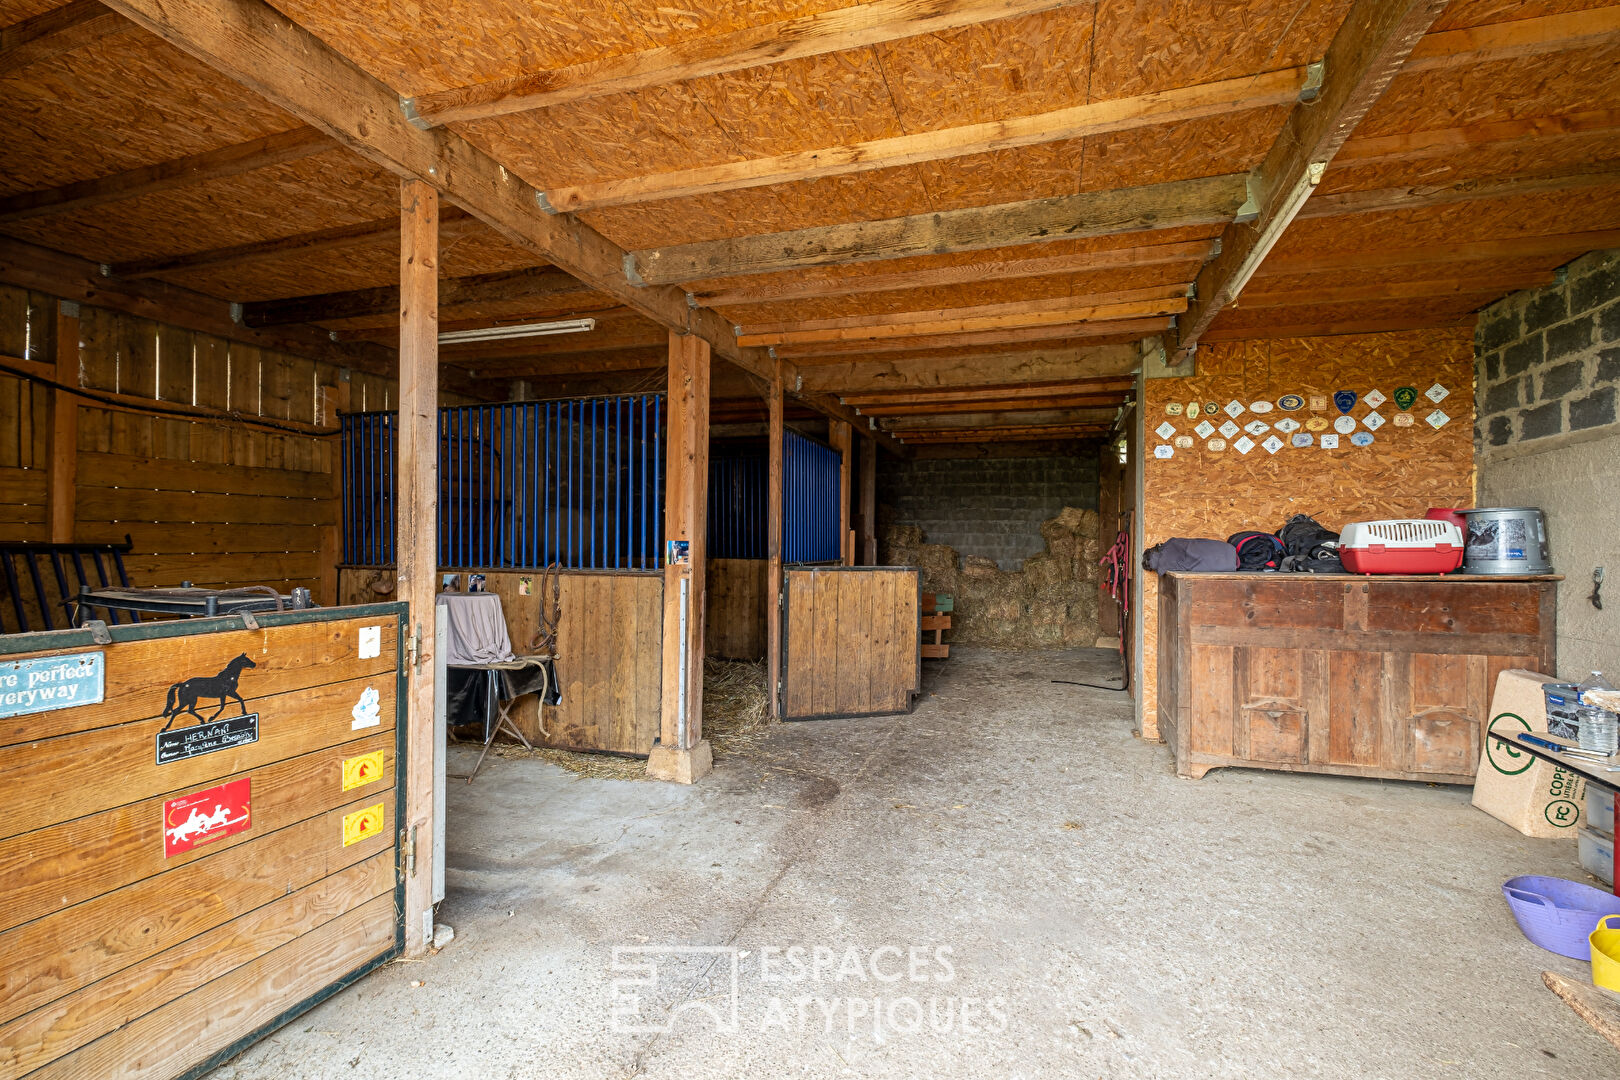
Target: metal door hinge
{"type": "Point", "coordinates": [413, 647]}
{"type": "Point", "coordinates": [408, 855]}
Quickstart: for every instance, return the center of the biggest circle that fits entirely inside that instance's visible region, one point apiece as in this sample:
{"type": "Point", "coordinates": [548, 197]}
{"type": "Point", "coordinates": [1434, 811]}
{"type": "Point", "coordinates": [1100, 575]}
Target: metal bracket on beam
{"type": "Point", "coordinates": [1315, 72]}
{"type": "Point", "coordinates": [236, 313]}
{"type": "Point", "coordinates": [1251, 205]}
{"type": "Point", "coordinates": [691, 302]}
{"type": "Point", "coordinates": [632, 275]}
{"type": "Point", "coordinates": [98, 631]}
{"type": "Point", "coordinates": [407, 105]}
{"type": "Point", "coordinates": [68, 308]}
{"type": "Point", "coordinates": [1215, 248]}
{"type": "Point", "coordinates": [544, 203]}
{"type": "Point", "coordinates": [248, 620]}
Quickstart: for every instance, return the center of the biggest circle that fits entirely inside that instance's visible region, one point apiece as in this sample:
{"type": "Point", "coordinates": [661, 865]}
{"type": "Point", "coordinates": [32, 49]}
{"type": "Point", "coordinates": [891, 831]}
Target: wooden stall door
{"type": "Point", "coordinates": [205, 849]}
{"type": "Point", "coordinates": [851, 642]}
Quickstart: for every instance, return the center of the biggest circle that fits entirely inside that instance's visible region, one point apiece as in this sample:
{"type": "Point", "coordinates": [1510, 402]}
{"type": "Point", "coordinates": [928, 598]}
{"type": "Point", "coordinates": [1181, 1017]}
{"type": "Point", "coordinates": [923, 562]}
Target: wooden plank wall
{"type": "Point", "coordinates": [609, 652]}
{"type": "Point", "coordinates": [117, 953]}
{"type": "Point", "coordinates": [206, 500]}
{"type": "Point", "coordinates": [853, 642]}
{"type": "Point", "coordinates": [1406, 470]}
{"type": "Point", "coordinates": [739, 603]}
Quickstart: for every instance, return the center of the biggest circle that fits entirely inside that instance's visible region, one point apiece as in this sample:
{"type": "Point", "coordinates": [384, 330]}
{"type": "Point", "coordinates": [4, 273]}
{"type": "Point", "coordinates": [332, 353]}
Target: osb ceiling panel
{"type": "Point", "coordinates": [1540, 86]}
{"type": "Point", "coordinates": [125, 101]}
{"type": "Point", "coordinates": [360, 266]}
{"type": "Point", "coordinates": [1331, 317]}
{"type": "Point", "coordinates": [1145, 45]}
{"type": "Point", "coordinates": [1463, 13]}
{"type": "Point", "coordinates": [317, 192]}
{"type": "Point", "coordinates": [15, 11]}
{"type": "Point", "coordinates": [451, 43]}
{"type": "Point", "coordinates": [903, 356]}
{"type": "Point", "coordinates": [1478, 270]}
{"type": "Point", "coordinates": [970, 295]}
{"type": "Point", "coordinates": [1455, 223]}
{"type": "Point", "coordinates": [1574, 153]}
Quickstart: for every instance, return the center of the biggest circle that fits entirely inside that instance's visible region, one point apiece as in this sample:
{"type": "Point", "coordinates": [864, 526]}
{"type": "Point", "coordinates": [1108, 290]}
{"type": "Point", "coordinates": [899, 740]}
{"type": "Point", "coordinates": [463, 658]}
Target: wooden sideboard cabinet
{"type": "Point", "coordinates": [1358, 676]}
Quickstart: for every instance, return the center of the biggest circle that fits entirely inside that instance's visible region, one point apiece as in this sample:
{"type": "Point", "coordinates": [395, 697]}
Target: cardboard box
{"type": "Point", "coordinates": [1533, 796]}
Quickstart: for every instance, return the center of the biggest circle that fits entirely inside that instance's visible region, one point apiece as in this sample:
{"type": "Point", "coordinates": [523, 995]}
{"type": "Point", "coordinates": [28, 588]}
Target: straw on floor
{"type": "Point", "coordinates": [736, 719]}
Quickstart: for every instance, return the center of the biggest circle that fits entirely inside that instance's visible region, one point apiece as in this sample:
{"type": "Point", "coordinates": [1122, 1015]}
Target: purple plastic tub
{"type": "Point", "coordinates": [1559, 915]}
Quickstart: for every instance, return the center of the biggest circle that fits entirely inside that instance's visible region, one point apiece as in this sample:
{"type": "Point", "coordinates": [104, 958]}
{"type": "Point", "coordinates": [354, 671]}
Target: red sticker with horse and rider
{"type": "Point", "coordinates": [210, 733]}
{"type": "Point", "coordinates": [205, 816]}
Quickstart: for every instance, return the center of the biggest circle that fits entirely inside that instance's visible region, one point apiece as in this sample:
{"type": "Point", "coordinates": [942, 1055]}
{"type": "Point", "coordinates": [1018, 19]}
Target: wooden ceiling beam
{"type": "Point", "coordinates": [1015, 307]}
{"type": "Point", "coordinates": [1095, 118]}
{"type": "Point", "coordinates": [802, 287]}
{"type": "Point", "coordinates": [854, 27]}
{"type": "Point", "coordinates": [59, 30]}
{"type": "Point", "coordinates": [282, 61]}
{"type": "Point", "coordinates": [68, 277]}
{"type": "Point", "coordinates": [605, 338]}
{"type": "Point", "coordinates": [1334, 327]}
{"type": "Point", "coordinates": [1006, 434]}
{"type": "Point", "coordinates": [1418, 196]}
{"type": "Point", "coordinates": [215, 164]}
{"type": "Point", "coordinates": [1496, 135]}
{"type": "Point", "coordinates": [1056, 401]}
{"type": "Point", "coordinates": [632, 359]}
{"type": "Point", "coordinates": [1519, 247]}
{"type": "Point", "coordinates": [1117, 328]}
{"type": "Point", "coordinates": [454, 223]}
{"type": "Point", "coordinates": [988, 419]}
{"type": "Point", "coordinates": [1212, 200]}
{"type": "Point", "coordinates": [530, 283]}
{"type": "Point", "coordinates": [932, 372]}
{"type": "Point", "coordinates": [1515, 39]}
{"type": "Point", "coordinates": [1070, 314]}
{"type": "Point", "coordinates": [1399, 290]}
{"type": "Point", "coordinates": [1015, 392]}
{"type": "Point", "coordinates": [1364, 56]}
{"type": "Point", "coordinates": [837, 410]}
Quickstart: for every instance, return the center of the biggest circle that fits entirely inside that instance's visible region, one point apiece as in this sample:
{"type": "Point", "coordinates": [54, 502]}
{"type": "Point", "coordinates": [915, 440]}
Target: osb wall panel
{"type": "Point", "coordinates": [1405, 471]}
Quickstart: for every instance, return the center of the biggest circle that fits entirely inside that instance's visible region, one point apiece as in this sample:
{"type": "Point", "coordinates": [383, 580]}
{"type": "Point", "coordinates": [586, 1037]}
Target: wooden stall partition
{"type": "Point", "coordinates": [1383, 676]}
{"type": "Point", "coordinates": [739, 602]}
{"type": "Point", "coordinates": [609, 651]}
{"type": "Point", "coordinates": [199, 834]}
{"type": "Point", "coordinates": [1209, 487]}
{"type": "Point", "coordinates": [850, 641]}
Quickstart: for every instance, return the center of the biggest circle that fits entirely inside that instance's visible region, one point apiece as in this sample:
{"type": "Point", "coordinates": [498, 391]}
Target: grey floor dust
{"type": "Point", "coordinates": [1002, 884]}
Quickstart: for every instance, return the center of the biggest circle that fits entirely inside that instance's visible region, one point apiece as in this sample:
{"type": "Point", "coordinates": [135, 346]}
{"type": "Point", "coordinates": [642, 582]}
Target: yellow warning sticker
{"type": "Point", "coordinates": [362, 770]}
{"type": "Point", "coordinates": [362, 824]}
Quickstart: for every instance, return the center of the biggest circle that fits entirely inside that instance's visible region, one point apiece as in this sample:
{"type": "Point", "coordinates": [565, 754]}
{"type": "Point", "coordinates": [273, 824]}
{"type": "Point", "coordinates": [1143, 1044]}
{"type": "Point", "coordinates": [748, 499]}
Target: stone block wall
{"type": "Point", "coordinates": [1013, 539]}
{"type": "Point", "coordinates": [992, 507]}
{"type": "Point", "coordinates": [1548, 435]}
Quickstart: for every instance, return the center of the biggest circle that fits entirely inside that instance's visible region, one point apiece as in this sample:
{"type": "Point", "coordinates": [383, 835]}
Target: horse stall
{"type": "Point", "coordinates": [202, 832]}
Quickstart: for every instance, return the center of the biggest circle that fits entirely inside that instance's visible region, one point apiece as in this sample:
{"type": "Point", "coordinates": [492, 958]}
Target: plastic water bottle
{"type": "Point", "coordinates": [1593, 681]}
{"type": "Point", "coordinates": [1600, 729]}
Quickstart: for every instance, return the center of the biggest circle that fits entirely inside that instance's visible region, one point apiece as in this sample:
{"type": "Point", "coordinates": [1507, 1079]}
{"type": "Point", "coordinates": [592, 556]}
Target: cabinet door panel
{"type": "Point", "coordinates": [1356, 708]}
{"type": "Point", "coordinates": [1276, 733]}
{"type": "Point", "coordinates": [1443, 741]}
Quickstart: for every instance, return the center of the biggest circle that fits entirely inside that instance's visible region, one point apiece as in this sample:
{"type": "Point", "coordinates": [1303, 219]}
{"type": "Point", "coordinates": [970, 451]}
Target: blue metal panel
{"type": "Point", "coordinates": [811, 489]}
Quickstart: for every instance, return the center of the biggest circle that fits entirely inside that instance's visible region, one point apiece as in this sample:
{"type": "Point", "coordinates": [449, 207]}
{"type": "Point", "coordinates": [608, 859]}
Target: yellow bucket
{"type": "Point", "coordinates": [1605, 942]}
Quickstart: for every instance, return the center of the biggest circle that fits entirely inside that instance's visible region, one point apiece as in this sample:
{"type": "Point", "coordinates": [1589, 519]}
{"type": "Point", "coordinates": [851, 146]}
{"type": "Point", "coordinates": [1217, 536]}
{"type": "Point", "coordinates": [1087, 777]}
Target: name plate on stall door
{"type": "Point", "coordinates": [199, 739]}
{"type": "Point", "coordinates": [50, 682]}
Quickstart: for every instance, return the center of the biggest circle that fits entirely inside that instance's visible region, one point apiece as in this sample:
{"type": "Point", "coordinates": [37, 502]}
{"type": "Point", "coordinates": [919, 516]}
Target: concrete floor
{"type": "Point", "coordinates": [1102, 917]}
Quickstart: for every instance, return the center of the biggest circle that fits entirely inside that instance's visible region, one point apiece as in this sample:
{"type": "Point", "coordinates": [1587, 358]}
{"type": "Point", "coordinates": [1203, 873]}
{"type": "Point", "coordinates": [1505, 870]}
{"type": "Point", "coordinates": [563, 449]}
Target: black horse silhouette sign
{"type": "Point", "coordinates": [184, 695]}
{"type": "Point", "coordinates": [209, 733]}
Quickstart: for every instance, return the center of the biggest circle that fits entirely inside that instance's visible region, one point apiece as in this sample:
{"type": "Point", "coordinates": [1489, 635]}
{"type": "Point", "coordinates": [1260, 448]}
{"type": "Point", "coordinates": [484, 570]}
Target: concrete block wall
{"type": "Point", "coordinates": [1548, 435]}
{"type": "Point", "coordinates": [989, 507]}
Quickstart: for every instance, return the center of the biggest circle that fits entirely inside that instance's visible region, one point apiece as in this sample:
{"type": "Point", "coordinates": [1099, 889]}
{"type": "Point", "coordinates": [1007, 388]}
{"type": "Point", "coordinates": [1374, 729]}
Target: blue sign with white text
{"type": "Point", "coordinates": [50, 682]}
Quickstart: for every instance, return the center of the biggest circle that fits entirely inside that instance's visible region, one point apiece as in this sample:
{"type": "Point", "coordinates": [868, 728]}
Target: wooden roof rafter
{"type": "Point", "coordinates": [858, 26]}
{"type": "Point", "coordinates": [59, 30]}
{"type": "Point", "coordinates": [1368, 51]}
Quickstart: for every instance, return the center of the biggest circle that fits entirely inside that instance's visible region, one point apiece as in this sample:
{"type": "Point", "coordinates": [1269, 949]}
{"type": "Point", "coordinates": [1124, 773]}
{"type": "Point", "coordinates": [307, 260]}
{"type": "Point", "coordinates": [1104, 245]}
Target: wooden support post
{"type": "Point", "coordinates": [682, 754]}
{"type": "Point", "coordinates": [869, 453]}
{"type": "Point", "coordinates": [62, 469]}
{"type": "Point", "coordinates": [773, 545]}
{"type": "Point", "coordinates": [335, 402]}
{"type": "Point", "coordinates": [416, 545]}
{"type": "Point", "coordinates": [838, 433]}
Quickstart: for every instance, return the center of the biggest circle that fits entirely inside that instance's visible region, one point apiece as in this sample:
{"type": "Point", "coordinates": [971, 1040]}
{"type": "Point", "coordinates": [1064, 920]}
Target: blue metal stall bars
{"type": "Point", "coordinates": [521, 485]}
{"type": "Point", "coordinates": [737, 491]}
{"type": "Point", "coordinates": [810, 491]}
